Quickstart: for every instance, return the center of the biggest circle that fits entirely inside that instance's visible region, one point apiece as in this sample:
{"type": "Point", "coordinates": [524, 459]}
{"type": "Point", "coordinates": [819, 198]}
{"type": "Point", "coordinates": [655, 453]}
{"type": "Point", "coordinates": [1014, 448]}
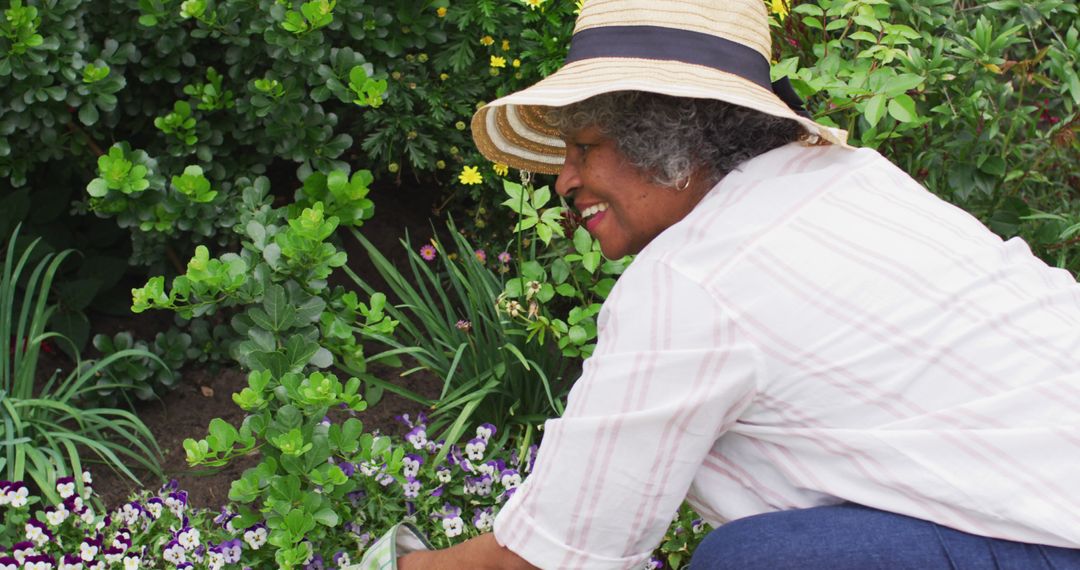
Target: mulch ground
{"type": "Point", "coordinates": [203, 395]}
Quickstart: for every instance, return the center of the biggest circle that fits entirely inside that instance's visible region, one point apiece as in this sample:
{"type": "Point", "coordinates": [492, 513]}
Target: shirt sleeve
{"type": "Point", "coordinates": [669, 375]}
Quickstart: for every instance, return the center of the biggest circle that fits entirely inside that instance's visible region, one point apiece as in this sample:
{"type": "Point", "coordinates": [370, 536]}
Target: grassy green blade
{"type": "Point", "coordinates": [517, 352]}
{"type": "Point", "coordinates": [453, 368]}
{"type": "Point", "coordinates": [555, 404]}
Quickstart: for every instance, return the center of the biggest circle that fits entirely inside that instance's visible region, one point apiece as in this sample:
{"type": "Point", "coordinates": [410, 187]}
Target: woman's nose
{"type": "Point", "coordinates": [568, 180]}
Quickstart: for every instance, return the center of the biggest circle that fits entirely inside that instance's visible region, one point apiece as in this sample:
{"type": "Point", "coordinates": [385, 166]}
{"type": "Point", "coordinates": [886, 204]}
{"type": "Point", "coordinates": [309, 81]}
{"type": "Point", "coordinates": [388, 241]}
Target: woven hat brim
{"type": "Point", "coordinates": [512, 130]}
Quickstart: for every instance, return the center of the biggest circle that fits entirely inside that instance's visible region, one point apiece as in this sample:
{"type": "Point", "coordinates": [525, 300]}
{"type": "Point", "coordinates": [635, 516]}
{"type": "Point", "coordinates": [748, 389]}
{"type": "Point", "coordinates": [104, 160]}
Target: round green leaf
{"type": "Point", "coordinates": [88, 115]}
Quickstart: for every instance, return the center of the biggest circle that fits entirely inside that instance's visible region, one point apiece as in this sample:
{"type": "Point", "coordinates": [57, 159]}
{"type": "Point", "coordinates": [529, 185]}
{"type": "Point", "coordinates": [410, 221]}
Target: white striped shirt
{"type": "Point", "coordinates": [819, 329]}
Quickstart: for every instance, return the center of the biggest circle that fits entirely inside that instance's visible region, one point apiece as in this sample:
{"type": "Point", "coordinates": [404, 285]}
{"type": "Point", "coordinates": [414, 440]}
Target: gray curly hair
{"type": "Point", "coordinates": [668, 137]}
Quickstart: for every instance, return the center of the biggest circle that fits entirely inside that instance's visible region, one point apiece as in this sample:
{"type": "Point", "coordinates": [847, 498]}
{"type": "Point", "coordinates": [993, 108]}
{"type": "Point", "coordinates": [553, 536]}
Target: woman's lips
{"type": "Point", "coordinates": [593, 220]}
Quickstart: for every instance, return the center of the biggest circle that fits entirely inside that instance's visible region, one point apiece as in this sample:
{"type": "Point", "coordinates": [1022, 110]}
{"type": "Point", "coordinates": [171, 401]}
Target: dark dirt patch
{"type": "Point", "coordinates": [204, 395]}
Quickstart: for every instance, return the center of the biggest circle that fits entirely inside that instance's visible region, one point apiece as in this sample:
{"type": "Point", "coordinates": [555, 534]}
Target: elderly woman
{"type": "Point", "coordinates": [834, 366]}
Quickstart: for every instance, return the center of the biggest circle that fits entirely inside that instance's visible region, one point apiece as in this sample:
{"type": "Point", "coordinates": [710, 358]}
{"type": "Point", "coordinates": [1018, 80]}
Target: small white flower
{"type": "Point", "coordinates": [510, 479]}
{"type": "Point", "coordinates": [87, 551]}
{"type": "Point", "coordinates": [475, 449]}
{"type": "Point", "coordinates": [66, 489]}
{"type": "Point", "coordinates": [255, 537]}
{"type": "Point", "coordinates": [35, 534]}
{"type": "Point", "coordinates": [155, 509]}
{"type": "Point", "coordinates": [443, 474]}
{"type": "Point", "coordinates": [453, 526]}
{"type": "Point", "coordinates": [411, 488]}
{"type": "Point", "coordinates": [417, 437]}
{"type": "Point", "coordinates": [410, 467]}
{"type": "Point", "coordinates": [189, 538]}
{"type": "Point", "coordinates": [130, 514]}
{"type": "Point", "coordinates": [19, 497]}
{"type": "Point", "coordinates": [484, 521]}
{"type": "Point", "coordinates": [174, 553]}
{"type": "Point", "coordinates": [58, 515]}
{"type": "Point", "coordinates": [368, 468]}
{"type": "Point", "coordinates": [131, 563]}
{"type": "Point", "coordinates": [485, 431]}
{"type": "Point", "coordinates": [21, 554]}
{"type": "Point", "coordinates": [86, 478]}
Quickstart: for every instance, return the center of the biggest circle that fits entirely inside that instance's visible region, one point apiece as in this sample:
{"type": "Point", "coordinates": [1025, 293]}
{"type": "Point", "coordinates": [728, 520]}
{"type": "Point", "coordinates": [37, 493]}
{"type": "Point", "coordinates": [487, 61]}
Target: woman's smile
{"type": "Point", "coordinates": [593, 214]}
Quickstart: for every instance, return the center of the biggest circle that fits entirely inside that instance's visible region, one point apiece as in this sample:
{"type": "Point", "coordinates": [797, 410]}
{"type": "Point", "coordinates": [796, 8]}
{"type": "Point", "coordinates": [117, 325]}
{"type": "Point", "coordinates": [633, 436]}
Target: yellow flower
{"type": "Point", "coordinates": [497, 61]}
{"type": "Point", "coordinates": [501, 169]}
{"type": "Point", "coordinates": [780, 8]}
{"type": "Point", "coordinates": [441, 12]}
{"type": "Point", "coordinates": [470, 175]}
{"type": "Point", "coordinates": [516, 63]}
{"type": "Point", "coordinates": [505, 45]}
{"type": "Point", "coordinates": [487, 40]}
{"type": "Point", "coordinates": [533, 4]}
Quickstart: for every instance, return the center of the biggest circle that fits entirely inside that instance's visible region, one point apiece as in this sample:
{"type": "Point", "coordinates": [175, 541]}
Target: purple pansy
{"type": "Point", "coordinates": [347, 468]}
{"type": "Point", "coordinates": [410, 464]}
{"type": "Point", "coordinates": [38, 562]}
{"type": "Point", "coordinates": [417, 436]}
{"type": "Point", "coordinates": [65, 486]}
{"type": "Point", "coordinates": [485, 431]}
{"type": "Point", "coordinates": [411, 487]}
{"type": "Point", "coordinates": [475, 448]}
{"type": "Point", "coordinates": [316, 563]}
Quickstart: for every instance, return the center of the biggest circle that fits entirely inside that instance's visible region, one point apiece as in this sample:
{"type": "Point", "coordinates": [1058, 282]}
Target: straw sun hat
{"type": "Point", "coordinates": [710, 49]}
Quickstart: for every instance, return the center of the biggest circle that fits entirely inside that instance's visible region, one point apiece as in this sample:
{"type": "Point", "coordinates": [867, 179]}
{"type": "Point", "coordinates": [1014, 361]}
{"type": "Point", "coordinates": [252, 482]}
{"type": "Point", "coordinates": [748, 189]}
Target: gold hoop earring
{"type": "Point", "coordinates": [684, 185]}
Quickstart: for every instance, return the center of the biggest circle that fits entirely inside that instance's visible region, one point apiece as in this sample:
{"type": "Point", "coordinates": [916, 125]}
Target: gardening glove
{"type": "Point", "coordinates": [383, 554]}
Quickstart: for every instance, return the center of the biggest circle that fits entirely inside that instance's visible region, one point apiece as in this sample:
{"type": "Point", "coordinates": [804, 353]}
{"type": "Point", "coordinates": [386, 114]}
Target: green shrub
{"type": "Point", "coordinates": [976, 100]}
{"type": "Point", "coordinates": [144, 378]}
{"type": "Point", "coordinates": [161, 108]}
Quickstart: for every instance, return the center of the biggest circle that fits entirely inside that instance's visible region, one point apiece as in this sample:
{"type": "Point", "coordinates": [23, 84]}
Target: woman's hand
{"type": "Point", "coordinates": [479, 553]}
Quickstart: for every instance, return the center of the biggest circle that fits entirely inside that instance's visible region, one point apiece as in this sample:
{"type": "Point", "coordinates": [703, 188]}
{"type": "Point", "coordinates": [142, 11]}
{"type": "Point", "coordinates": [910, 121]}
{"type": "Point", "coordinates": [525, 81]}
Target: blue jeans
{"type": "Point", "coordinates": [853, 537]}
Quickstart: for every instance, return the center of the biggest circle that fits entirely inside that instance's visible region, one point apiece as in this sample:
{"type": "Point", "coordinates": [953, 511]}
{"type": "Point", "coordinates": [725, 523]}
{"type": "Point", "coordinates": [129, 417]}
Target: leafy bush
{"type": "Point", "coordinates": [44, 426]}
{"type": "Point", "coordinates": [299, 487]}
{"type": "Point", "coordinates": [279, 279]}
{"type": "Point", "coordinates": [198, 95]}
{"type": "Point", "coordinates": [147, 377]}
{"type": "Point", "coordinates": [976, 100]}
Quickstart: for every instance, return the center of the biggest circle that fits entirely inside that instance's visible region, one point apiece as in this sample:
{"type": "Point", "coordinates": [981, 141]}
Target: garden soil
{"type": "Point", "coordinates": [206, 393]}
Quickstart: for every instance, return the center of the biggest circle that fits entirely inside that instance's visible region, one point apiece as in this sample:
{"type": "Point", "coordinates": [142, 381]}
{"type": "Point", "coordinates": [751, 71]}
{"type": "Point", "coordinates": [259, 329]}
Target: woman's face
{"type": "Point", "coordinates": [620, 205]}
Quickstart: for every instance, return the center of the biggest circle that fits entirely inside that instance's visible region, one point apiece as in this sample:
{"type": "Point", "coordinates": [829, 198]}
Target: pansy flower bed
{"type": "Point", "coordinates": [450, 501]}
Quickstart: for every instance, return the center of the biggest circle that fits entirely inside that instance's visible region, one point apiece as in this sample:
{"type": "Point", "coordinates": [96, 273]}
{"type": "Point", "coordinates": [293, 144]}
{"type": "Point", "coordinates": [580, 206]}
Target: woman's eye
{"type": "Point", "coordinates": [583, 148]}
